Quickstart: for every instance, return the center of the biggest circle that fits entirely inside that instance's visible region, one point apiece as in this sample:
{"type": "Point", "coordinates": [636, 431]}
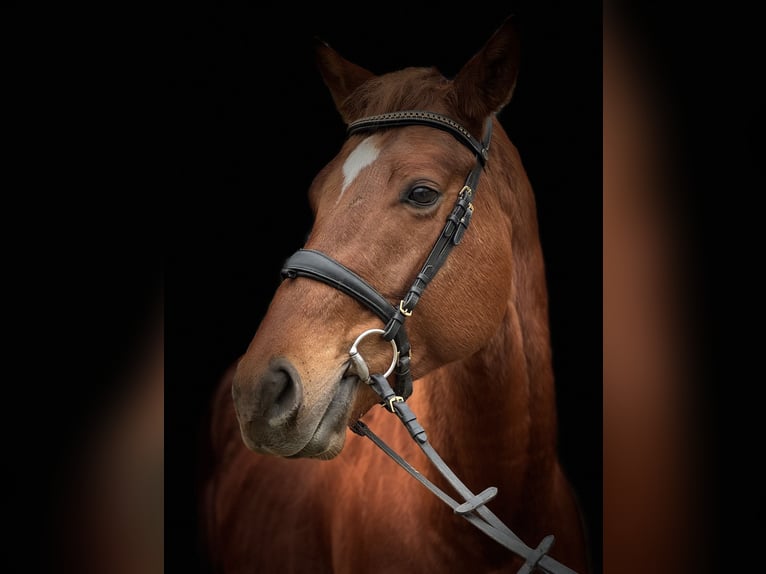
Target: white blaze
{"type": "Point", "coordinates": [362, 156]}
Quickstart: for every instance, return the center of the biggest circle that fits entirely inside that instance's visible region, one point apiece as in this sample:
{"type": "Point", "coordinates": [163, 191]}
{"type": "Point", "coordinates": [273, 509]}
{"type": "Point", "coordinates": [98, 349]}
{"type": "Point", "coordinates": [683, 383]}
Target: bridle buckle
{"type": "Point", "coordinates": [392, 400]}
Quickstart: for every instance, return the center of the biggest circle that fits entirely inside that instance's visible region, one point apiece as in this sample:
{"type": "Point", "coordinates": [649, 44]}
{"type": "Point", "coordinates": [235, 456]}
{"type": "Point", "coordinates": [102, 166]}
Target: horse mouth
{"type": "Point", "coordinates": [329, 436]}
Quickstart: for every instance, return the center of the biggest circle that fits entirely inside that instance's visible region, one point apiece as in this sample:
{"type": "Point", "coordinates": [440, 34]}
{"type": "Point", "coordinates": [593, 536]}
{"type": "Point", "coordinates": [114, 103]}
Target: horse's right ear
{"type": "Point", "coordinates": [340, 76]}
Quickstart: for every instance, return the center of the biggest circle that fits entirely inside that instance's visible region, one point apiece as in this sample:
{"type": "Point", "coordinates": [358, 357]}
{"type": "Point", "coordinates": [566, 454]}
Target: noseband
{"type": "Point", "coordinates": [318, 266]}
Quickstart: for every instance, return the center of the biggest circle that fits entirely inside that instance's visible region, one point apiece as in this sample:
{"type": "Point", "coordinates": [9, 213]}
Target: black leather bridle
{"type": "Point", "coordinates": [321, 267]}
{"type": "Point", "coordinates": [316, 265]}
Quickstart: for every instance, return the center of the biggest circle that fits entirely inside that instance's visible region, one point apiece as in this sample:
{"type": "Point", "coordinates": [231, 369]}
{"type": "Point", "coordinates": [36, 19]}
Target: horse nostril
{"type": "Point", "coordinates": [279, 394]}
{"type": "Point", "coordinates": [279, 390]}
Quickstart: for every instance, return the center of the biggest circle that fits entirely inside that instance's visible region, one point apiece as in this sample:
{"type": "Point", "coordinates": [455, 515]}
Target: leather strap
{"type": "Point", "coordinates": [316, 265]}
{"type": "Point", "coordinates": [424, 118]}
{"type": "Point", "coordinates": [474, 509]}
{"type": "Point", "coordinates": [452, 233]}
{"type": "Point", "coordinates": [320, 267]}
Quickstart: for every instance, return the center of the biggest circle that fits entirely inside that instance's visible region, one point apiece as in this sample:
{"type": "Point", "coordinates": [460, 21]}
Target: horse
{"type": "Point", "coordinates": [295, 488]}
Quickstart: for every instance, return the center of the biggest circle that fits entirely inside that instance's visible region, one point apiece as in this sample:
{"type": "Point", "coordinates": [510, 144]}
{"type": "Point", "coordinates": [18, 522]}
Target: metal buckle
{"type": "Point", "coordinates": [392, 400]}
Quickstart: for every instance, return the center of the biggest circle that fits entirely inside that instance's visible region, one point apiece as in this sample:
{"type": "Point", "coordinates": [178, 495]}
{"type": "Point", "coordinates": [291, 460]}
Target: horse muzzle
{"type": "Point", "coordinates": [275, 417]}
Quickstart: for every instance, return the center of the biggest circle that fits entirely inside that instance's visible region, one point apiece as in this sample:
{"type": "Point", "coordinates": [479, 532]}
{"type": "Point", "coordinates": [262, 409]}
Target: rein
{"type": "Point", "coordinates": [316, 265]}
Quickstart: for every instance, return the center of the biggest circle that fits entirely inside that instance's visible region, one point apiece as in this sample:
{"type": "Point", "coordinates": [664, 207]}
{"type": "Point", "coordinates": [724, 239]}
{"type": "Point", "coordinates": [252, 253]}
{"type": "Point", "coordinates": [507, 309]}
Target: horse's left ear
{"type": "Point", "coordinates": [485, 84]}
{"type": "Point", "coordinates": [340, 76]}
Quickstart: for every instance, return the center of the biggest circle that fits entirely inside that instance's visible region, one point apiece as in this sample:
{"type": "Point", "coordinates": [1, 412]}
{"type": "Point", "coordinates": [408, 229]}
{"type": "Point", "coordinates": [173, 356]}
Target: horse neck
{"type": "Point", "coordinates": [492, 415]}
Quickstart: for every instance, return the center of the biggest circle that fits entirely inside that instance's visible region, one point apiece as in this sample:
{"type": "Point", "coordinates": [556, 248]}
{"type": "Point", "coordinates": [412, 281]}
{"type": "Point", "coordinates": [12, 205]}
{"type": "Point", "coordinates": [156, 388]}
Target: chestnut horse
{"type": "Point", "coordinates": [293, 489]}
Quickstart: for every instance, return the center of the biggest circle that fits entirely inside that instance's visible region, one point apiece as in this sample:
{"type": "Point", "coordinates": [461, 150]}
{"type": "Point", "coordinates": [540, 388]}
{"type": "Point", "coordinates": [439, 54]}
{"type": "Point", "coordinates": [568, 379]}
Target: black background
{"type": "Point", "coordinates": [166, 151]}
{"type": "Point", "coordinates": [251, 124]}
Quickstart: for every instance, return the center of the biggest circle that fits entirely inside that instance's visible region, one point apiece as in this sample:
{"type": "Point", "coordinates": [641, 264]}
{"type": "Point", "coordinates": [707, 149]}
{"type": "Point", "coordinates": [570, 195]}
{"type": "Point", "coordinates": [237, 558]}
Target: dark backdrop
{"type": "Point", "coordinates": [251, 124]}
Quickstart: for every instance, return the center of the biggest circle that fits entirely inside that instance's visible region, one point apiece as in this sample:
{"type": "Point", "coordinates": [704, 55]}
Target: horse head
{"type": "Point", "coordinates": [378, 207]}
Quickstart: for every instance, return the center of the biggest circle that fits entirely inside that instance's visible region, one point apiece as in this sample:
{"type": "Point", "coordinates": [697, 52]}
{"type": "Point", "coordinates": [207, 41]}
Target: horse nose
{"type": "Point", "coordinates": [272, 398]}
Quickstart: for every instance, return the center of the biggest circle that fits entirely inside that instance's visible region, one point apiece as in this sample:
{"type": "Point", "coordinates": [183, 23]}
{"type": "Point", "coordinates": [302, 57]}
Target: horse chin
{"type": "Point", "coordinates": [330, 434]}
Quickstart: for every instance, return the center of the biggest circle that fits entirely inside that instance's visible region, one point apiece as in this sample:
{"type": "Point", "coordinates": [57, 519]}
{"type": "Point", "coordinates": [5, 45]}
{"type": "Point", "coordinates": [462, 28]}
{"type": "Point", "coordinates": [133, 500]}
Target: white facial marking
{"type": "Point", "coordinates": [364, 154]}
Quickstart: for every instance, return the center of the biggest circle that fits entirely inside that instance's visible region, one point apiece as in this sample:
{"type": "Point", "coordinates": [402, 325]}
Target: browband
{"type": "Point", "coordinates": [418, 117]}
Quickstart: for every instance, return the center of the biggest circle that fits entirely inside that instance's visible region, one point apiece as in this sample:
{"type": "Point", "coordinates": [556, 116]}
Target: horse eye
{"type": "Point", "coordinates": [422, 196]}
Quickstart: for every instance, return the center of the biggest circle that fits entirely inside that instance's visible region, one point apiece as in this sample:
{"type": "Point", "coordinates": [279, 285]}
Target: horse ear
{"type": "Point", "coordinates": [340, 76]}
{"type": "Point", "coordinates": [485, 84]}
